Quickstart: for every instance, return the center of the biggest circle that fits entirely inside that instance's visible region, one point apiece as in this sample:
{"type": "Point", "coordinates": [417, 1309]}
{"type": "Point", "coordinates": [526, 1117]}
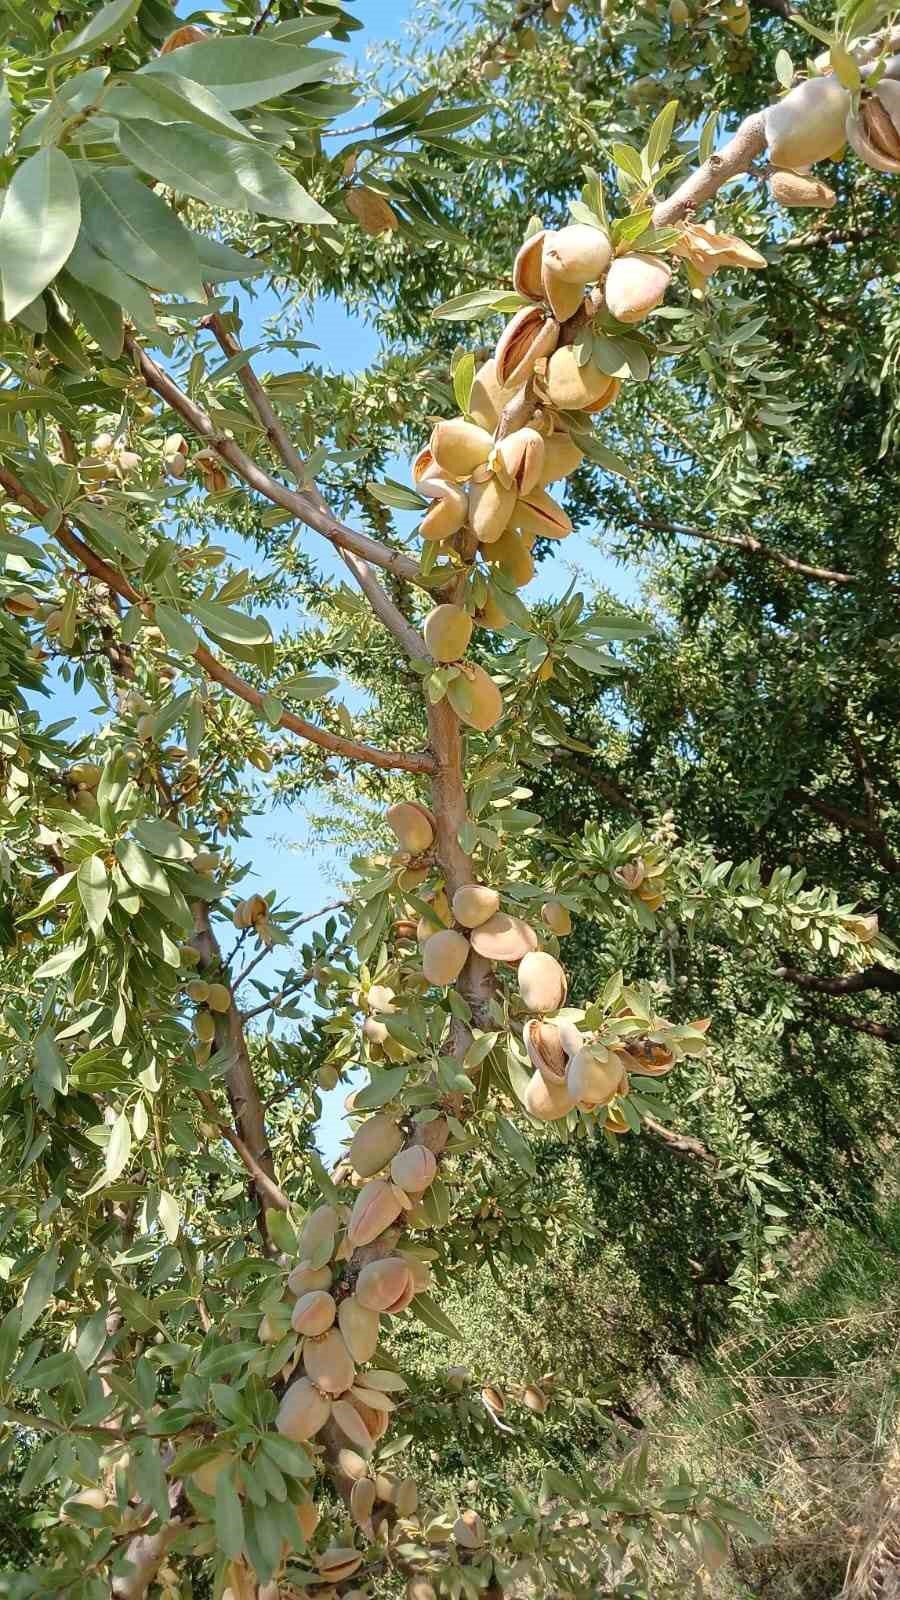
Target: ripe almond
{"type": "Point", "coordinates": [328, 1363]}
{"type": "Point", "coordinates": [376, 1208]}
{"type": "Point", "coordinates": [303, 1411]}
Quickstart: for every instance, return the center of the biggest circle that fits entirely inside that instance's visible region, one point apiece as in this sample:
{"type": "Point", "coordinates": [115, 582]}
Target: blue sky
{"type": "Point", "coordinates": [280, 848]}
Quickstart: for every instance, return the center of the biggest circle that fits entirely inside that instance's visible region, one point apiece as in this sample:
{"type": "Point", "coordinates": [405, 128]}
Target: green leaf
{"type": "Point", "coordinates": [118, 1152]}
{"type": "Point", "coordinates": [627, 160]}
{"type": "Point", "coordinates": [169, 1214]}
{"type": "Point", "coordinates": [463, 378]}
{"type": "Point", "coordinates": [397, 495]}
{"type": "Point", "coordinates": [479, 303]}
{"type": "Point", "coordinates": [221, 264]}
{"type": "Point", "coordinates": [707, 142]}
{"type": "Point", "coordinates": [604, 457]}
{"type": "Point", "coordinates": [289, 1456]}
{"type": "Point", "coordinates": [105, 27]}
{"type": "Point", "coordinates": [229, 624]}
{"type": "Point", "coordinates": [5, 117]}
{"type": "Point", "coordinates": [381, 1089]}
{"type": "Point", "coordinates": [95, 272]}
{"type": "Point", "coordinates": [94, 892]}
{"type": "Point", "coordinates": [307, 686]}
{"type": "Point", "coordinates": [428, 1311]}
{"type": "Point", "coordinates": [91, 1339]}
{"type": "Point", "coordinates": [111, 531]}
{"type": "Point", "coordinates": [229, 1516]}
{"type": "Point", "coordinates": [165, 97]}
{"type": "Point", "coordinates": [846, 68]}
{"type": "Point", "coordinates": [516, 1146]}
{"type": "Point", "coordinates": [101, 318]}
{"type": "Point", "coordinates": [38, 1290]}
{"type": "Point", "coordinates": [620, 358]}
{"type": "Point", "coordinates": [176, 630]}
{"type": "Point", "coordinates": [660, 136]}
{"type": "Point", "coordinates": [244, 71]}
{"type": "Point", "coordinates": [38, 227]}
{"type": "Point", "coordinates": [221, 172]}
{"type": "Point", "coordinates": [130, 225]}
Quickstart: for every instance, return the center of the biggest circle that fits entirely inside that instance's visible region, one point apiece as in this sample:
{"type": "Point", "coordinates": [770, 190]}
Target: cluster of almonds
{"type": "Point", "coordinates": [817, 118]}
{"type": "Point", "coordinates": [254, 913]}
{"type": "Point", "coordinates": [477, 924]}
{"type": "Point", "coordinates": [734, 17]}
{"type": "Point", "coordinates": [111, 458]}
{"type": "Point", "coordinates": [574, 1071]}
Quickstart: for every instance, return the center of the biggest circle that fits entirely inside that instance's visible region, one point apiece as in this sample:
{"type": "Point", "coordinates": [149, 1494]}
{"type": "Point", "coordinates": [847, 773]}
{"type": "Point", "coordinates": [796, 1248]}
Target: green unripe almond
{"type": "Point", "coordinates": [448, 630]}
{"type": "Point", "coordinates": [205, 1027]}
{"type": "Point", "coordinates": [219, 997]}
{"type": "Point", "coordinates": [198, 991]}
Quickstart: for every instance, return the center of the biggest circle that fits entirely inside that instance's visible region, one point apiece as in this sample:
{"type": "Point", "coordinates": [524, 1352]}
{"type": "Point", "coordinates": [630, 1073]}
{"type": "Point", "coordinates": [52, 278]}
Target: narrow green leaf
{"type": "Point", "coordinates": [176, 630]}
{"type": "Point", "coordinates": [94, 892]}
{"type": "Point", "coordinates": [38, 1290]}
{"type": "Point", "coordinates": [100, 318]}
{"type": "Point", "coordinates": [221, 172]}
{"type": "Point", "coordinates": [428, 1311]}
{"type": "Point", "coordinates": [229, 1517]}
{"type": "Point", "coordinates": [244, 71]}
{"type": "Point", "coordinates": [38, 227]}
{"type": "Point", "coordinates": [133, 227]}
{"type": "Point", "coordinates": [166, 97]}
{"type": "Point", "coordinates": [105, 27]}
{"type": "Point", "coordinates": [229, 624]}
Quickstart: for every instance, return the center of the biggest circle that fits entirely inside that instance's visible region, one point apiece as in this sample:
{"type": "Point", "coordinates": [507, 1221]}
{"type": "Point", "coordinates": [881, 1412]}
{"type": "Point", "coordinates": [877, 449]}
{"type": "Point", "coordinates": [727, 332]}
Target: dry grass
{"type": "Point", "coordinates": [798, 1423]}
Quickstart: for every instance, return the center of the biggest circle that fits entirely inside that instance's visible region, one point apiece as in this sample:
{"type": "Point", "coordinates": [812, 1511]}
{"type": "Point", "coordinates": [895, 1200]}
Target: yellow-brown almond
{"type": "Point", "coordinates": [268, 1331]}
{"type": "Point", "coordinates": [375, 1422]}
{"type": "Point", "coordinates": [563, 298]}
{"type": "Point", "coordinates": [493, 1398]}
{"type": "Point", "coordinates": [379, 997]}
{"type": "Point", "coordinates": [556, 917]}
{"type": "Point", "coordinates": [491, 505]}
{"type": "Point", "coordinates": [528, 338]}
{"type": "Point", "coordinates": [418, 1588]}
{"type": "Point", "coordinates": [537, 513]}
{"type": "Point", "coordinates": [432, 1134]}
{"type": "Point", "coordinates": [184, 36]}
{"type": "Point", "coordinates": [545, 1101]}
{"type": "Point", "coordinates": [484, 703]}
{"type": "Point", "coordinates": [545, 1050]}
{"type": "Point", "coordinates": [444, 955]}
{"type": "Point", "coordinates": [651, 1059]}
{"type": "Point", "coordinates": [413, 825]}
{"type": "Point", "coordinates": [207, 1475]}
{"type": "Point", "coordinates": [371, 210]}
{"type": "Point", "coordinates": [473, 903]}
{"type": "Point", "coordinates": [338, 1562]}
{"type": "Point", "coordinates": [205, 1027]}
{"type": "Point", "coordinates": [219, 997]}
{"type": "Point", "coordinates": [406, 1497]}
{"type": "Point", "coordinates": [793, 189]}
{"type": "Point", "coordinates": [615, 1122]}
{"type": "Point", "coordinates": [468, 1531]}
{"type": "Point", "coordinates": [382, 1283]}
{"type": "Point", "coordinates": [594, 1076]}
{"type": "Point", "coordinates": [491, 615]}
{"type": "Point", "coordinates": [319, 1228]}
{"type": "Point", "coordinates": [303, 1411]}
{"type": "Point", "coordinates": [362, 1501]}
{"type": "Point", "coordinates": [459, 447]}
{"type": "Point", "coordinates": [535, 1399]}
{"type": "Point", "coordinates": [562, 457]}
{"type": "Point", "coordinates": [446, 515]}
{"type": "Point", "coordinates": [413, 1169]}
{"type": "Point", "coordinates": [376, 1208]}
{"type": "Point", "coordinates": [374, 1144]}
{"type": "Point", "coordinates": [314, 1312]}
{"type": "Point", "coordinates": [517, 562]}
{"type": "Point", "coordinates": [808, 125]}
{"type": "Point", "coordinates": [527, 266]}
{"type": "Point", "coordinates": [571, 386]}
{"type": "Point", "coordinates": [95, 1498]}
{"type": "Point", "coordinates": [328, 1363]}
{"type": "Point", "coordinates": [874, 132]}
{"type": "Point", "coordinates": [352, 1465]}
{"type": "Point", "coordinates": [360, 1327]}
{"type": "Point", "coordinates": [518, 460]}
{"type": "Point", "coordinates": [635, 285]}
{"type": "Point", "coordinates": [447, 630]}
{"type": "Point", "coordinates": [352, 1426]}
{"type": "Point", "coordinates": [578, 253]}
{"type": "Point", "coordinates": [307, 1517]}
{"type": "Point", "coordinates": [488, 397]}
{"type": "Point", "coordinates": [503, 938]}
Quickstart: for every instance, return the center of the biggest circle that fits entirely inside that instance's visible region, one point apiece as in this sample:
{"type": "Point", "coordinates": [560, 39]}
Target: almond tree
{"type": "Point", "coordinates": [212, 1389]}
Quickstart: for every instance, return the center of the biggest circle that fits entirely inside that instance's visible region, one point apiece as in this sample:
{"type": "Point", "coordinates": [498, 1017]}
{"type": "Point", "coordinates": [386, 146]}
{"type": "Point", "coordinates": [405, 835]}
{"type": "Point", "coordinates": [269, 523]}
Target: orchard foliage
{"type": "Point", "coordinates": [207, 1349]}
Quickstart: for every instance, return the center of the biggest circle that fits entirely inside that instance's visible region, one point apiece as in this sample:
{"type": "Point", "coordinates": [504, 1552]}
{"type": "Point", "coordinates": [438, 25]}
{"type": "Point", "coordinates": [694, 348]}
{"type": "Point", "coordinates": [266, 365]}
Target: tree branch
{"type": "Point", "coordinates": [250, 1139]}
{"type": "Point", "coordinates": [749, 543]}
{"type": "Point", "coordinates": [681, 1144]}
{"type": "Point", "coordinates": [883, 979]}
{"type": "Point", "coordinates": [383, 606]}
{"type": "Point", "coordinates": [874, 1030]}
{"type": "Point", "coordinates": [413, 761]}
{"type": "Point", "coordinates": [304, 506]}
{"type": "Point", "coordinates": [603, 785]}
{"type": "Point", "coordinates": [868, 827]}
